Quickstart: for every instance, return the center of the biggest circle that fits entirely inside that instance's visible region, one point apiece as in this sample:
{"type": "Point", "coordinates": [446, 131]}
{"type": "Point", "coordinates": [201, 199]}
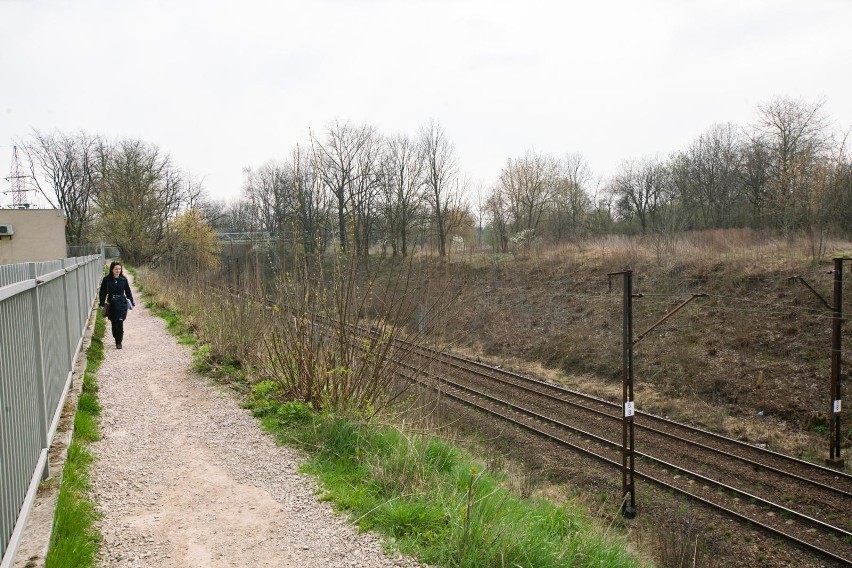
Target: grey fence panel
{"type": "Point", "coordinates": [43, 315]}
{"type": "Point", "coordinates": [11, 273]}
{"type": "Point", "coordinates": [20, 431]}
{"type": "Point", "coordinates": [55, 342]}
{"type": "Point", "coordinates": [72, 311]}
{"type": "Point", "coordinates": [81, 302]}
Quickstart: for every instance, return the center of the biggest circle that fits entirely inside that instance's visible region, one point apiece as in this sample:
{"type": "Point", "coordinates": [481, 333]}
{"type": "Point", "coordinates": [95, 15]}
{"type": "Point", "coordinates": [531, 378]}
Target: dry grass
{"type": "Point", "coordinates": [758, 344]}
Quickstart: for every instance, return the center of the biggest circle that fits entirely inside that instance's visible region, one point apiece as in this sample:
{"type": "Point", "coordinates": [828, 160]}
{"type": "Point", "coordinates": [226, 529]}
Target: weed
{"type": "Point", "coordinates": [680, 546]}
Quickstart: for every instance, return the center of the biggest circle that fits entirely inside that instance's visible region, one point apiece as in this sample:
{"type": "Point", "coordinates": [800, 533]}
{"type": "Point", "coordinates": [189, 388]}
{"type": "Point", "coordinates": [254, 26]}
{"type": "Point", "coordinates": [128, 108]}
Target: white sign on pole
{"type": "Point", "coordinates": [628, 409]}
{"type": "Point", "coordinates": [837, 407]}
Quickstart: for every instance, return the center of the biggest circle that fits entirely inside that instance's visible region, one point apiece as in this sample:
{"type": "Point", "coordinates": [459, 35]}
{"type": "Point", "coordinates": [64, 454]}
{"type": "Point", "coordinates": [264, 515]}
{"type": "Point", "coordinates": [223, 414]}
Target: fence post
{"type": "Point", "coordinates": [39, 368]}
{"type": "Point", "coordinates": [66, 309]}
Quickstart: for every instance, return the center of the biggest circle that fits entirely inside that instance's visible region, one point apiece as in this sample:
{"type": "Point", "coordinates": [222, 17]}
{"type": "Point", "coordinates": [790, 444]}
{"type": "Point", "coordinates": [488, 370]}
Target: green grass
{"type": "Point", "coordinates": [430, 499]}
{"type": "Point", "coordinates": [74, 540]}
{"type": "Point", "coordinates": [174, 323]}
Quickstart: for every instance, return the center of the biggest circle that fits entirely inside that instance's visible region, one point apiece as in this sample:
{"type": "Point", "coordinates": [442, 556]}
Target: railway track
{"type": "Point", "coordinates": [795, 500]}
{"type": "Point", "coordinates": [803, 503]}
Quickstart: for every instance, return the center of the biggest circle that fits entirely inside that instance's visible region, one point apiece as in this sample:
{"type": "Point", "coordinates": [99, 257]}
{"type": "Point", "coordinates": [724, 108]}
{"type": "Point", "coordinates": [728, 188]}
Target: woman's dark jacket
{"type": "Point", "coordinates": [116, 291]}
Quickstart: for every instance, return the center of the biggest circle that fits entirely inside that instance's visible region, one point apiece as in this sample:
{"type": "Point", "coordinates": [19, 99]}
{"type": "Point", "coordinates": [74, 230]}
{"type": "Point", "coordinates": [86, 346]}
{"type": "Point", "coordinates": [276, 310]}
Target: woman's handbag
{"type": "Point", "coordinates": [105, 310]}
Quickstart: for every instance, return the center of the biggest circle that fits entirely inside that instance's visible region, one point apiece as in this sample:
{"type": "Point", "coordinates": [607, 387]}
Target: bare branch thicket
{"type": "Point", "coordinates": [572, 203]}
{"type": "Point", "coordinates": [754, 181]}
{"type": "Point", "coordinates": [333, 343]}
{"type": "Point", "coordinates": [364, 191]}
{"type": "Point", "coordinates": [707, 178]}
{"type": "Point", "coordinates": [529, 184]}
{"type": "Point", "coordinates": [829, 178]}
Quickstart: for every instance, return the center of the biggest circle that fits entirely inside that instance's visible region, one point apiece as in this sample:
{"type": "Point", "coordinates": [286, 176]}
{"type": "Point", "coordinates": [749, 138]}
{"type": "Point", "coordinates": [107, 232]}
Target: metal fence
{"type": "Point", "coordinates": [44, 309]}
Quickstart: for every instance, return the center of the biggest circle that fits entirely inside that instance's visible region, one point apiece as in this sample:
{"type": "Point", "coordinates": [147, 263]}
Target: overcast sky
{"type": "Point", "coordinates": [222, 85]}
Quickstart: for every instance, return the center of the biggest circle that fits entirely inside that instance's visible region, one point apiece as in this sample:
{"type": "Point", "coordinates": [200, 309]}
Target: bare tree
{"type": "Point", "coordinates": [571, 202]}
{"type": "Point", "coordinates": [640, 188]}
{"type": "Point", "coordinates": [440, 190]}
{"type": "Point", "coordinates": [269, 191]}
{"type": "Point", "coordinates": [310, 201]}
{"type": "Point", "coordinates": [754, 183]}
{"type": "Point", "coordinates": [229, 216]}
{"type": "Point", "coordinates": [336, 163]}
{"type": "Point", "coordinates": [528, 185]}
{"type": "Point", "coordinates": [793, 132]}
{"type": "Point", "coordinates": [365, 190]}
{"type": "Point", "coordinates": [710, 175]}
{"type": "Point", "coordinates": [403, 176]}
{"type": "Point", "coordinates": [64, 169]}
{"type": "Point", "coordinates": [498, 211]}
{"type": "Point", "coordinates": [829, 178]}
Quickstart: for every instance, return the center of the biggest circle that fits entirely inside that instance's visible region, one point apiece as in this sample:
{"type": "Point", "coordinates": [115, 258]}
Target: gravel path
{"type": "Point", "coordinates": [184, 477]}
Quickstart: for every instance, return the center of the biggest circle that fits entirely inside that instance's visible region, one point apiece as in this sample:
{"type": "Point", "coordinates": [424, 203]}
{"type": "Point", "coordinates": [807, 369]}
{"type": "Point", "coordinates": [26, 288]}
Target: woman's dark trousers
{"type": "Point", "coordinates": [118, 330]}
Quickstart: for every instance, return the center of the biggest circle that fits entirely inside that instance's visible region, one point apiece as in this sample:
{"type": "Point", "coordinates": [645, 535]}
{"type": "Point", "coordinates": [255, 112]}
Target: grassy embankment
{"type": "Point", "coordinates": [74, 541]}
{"type": "Point", "coordinates": [428, 498]}
{"type": "Point", "coordinates": [750, 360]}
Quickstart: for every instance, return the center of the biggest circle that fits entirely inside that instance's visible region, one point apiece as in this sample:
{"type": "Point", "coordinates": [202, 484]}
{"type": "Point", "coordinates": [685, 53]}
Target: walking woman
{"type": "Point", "coordinates": [115, 291]}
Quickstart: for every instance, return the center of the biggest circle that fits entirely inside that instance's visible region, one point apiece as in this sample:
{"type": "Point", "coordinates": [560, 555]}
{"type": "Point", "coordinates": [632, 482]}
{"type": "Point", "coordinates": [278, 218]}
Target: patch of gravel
{"type": "Point", "coordinates": [185, 477]}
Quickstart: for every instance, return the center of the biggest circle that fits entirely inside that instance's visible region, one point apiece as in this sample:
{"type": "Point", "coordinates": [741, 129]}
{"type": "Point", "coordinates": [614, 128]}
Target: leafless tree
{"type": "Point", "coordinates": [754, 183]}
{"type": "Point", "coordinates": [365, 190]}
{"type": "Point", "coordinates": [640, 188]}
{"type": "Point", "coordinates": [529, 184]}
{"type": "Point", "coordinates": [402, 179]}
{"type": "Point", "coordinates": [498, 211]}
{"type": "Point", "coordinates": [269, 191]}
{"type": "Point", "coordinates": [571, 202]}
{"type": "Point", "coordinates": [63, 167]}
{"type": "Point", "coordinates": [336, 163]}
{"type": "Point", "coordinates": [439, 184]}
{"type": "Point", "coordinates": [229, 216]}
{"type": "Point", "coordinates": [793, 133]}
{"type": "Point", "coordinates": [310, 202]}
{"type": "Point", "coordinates": [829, 179]}
{"type": "Point", "coordinates": [710, 176]}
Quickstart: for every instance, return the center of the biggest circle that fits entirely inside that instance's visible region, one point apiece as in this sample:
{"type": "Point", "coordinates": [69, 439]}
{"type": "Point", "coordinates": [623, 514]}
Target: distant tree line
{"type": "Point", "coordinates": [786, 172]}
{"type": "Point", "coordinates": [356, 189]}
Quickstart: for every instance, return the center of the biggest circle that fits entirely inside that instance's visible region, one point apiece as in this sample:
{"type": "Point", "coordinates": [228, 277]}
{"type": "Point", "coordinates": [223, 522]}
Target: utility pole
{"type": "Point", "coordinates": [834, 458]}
{"type": "Point", "coordinates": [628, 465]}
{"type": "Point", "coordinates": [835, 380]}
{"type": "Point", "coordinates": [16, 181]}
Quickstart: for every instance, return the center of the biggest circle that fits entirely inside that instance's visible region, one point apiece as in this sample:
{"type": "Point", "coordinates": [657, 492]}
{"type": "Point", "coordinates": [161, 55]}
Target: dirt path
{"type": "Point", "coordinates": [184, 477]}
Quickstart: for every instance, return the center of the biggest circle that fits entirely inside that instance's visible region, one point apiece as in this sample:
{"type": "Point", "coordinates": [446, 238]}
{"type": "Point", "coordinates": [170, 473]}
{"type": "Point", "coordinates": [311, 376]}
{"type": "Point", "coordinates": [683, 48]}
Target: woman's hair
{"type": "Point", "coordinates": [113, 264]}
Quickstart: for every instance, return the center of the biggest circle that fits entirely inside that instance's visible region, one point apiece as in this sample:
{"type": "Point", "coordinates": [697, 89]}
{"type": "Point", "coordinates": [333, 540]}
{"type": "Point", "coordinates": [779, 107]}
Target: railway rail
{"type": "Point", "coordinates": [804, 503]}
